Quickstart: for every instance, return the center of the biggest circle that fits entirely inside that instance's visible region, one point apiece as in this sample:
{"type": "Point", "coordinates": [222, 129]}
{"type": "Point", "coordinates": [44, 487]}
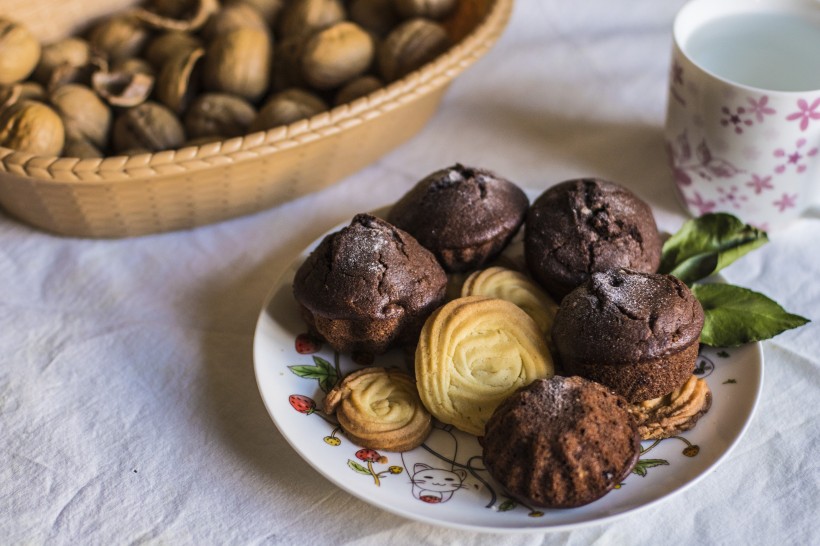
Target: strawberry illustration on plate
{"type": "Point", "coordinates": [307, 344]}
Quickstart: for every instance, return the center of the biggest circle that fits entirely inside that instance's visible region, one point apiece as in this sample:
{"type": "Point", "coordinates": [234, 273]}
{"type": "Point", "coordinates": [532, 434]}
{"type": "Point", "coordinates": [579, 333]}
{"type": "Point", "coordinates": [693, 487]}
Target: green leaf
{"type": "Point", "coordinates": [643, 464]}
{"type": "Point", "coordinates": [736, 315]}
{"type": "Point", "coordinates": [705, 245]}
{"type": "Point", "coordinates": [358, 468]}
{"type": "Point", "coordinates": [323, 372]}
{"type": "Point", "coordinates": [507, 505]}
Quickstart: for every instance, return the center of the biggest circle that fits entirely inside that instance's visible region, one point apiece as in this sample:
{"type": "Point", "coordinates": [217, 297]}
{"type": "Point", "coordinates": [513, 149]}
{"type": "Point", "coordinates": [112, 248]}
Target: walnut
{"type": "Point", "coordinates": [84, 114]}
{"type": "Point", "coordinates": [286, 107]}
{"type": "Point", "coordinates": [149, 126]}
{"type": "Point", "coordinates": [432, 9]}
{"type": "Point", "coordinates": [239, 63]}
{"type": "Point", "coordinates": [376, 16]}
{"type": "Point", "coordinates": [358, 88]}
{"type": "Point", "coordinates": [307, 16]}
{"type": "Point", "coordinates": [32, 127]}
{"type": "Point", "coordinates": [336, 55]}
{"type": "Point", "coordinates": [118, 37]}
{"type": "Point", "coordinates": [70, 58]}
{"type": "Point", "coordinates": [19, 52]}
{"type": "Point", "coordinates": [411, 45]}
{"type": "Point", "coordinates": [219, 114]}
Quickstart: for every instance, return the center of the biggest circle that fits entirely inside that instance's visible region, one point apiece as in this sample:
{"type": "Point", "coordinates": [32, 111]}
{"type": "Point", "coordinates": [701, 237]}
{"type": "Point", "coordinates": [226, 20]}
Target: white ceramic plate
{"type": "Point", "coordinates": [443, 481]}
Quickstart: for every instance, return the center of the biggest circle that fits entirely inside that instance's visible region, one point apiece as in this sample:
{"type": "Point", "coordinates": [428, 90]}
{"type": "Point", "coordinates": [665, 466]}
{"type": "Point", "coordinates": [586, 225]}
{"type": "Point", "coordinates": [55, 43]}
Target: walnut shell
{"type": "Point", "coordinates": [32, 127]}
{"type": "Point", "coordinates": [10, 94]}
{"type": "Point", "coordinates": [183, 17]}
{"type": "Point", "coordinates": [118, 37]}
{"type": "Point", "coordinates": [84, 114]}
{"type": "Point", "coordinates": [161, 48]}
{"type": "Point", "coordinates": [307, 16]}
{"type": "Point", "coordinates": [149, 126]}
{"type": "Point", "coordinates": [286, 107]}
{"type": "Point", "coordinates": [72, 56]}
{"type": "Point", "coordinates": [358, 88]}
{"type": "Point", "coordinates": [19, 52]}
{"type": "Point", "coordinates": [432, 9]}
{"type": "Point", "coordinates": [32, 91]}
{"type": "Point", "coordinates": [336, 55]}
{"type": "Point", "coordinates": [239, 62]}
{"type": "Point", "coordinates": [133, 65]}
{"type": "Point", "coordinates": [376, 16]}
{"type": "Point", "coordinates": [410, 46]}
{"type": "Point", "coordinates": [219, 114]}
{"type": "Point", "coordinates": [123, 88]}
{"type": "Point", "coordinates": [176, 83]}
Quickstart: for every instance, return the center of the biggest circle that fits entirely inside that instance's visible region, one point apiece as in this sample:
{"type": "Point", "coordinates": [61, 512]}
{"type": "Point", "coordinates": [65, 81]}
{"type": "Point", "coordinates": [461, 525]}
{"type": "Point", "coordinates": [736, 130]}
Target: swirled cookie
{"type": "Point", "coordinates": [517, 288]}
{"type": "Point", "coordinates": [380, 408]}
{"type": "Point", "coordinates": [472, 354]}
{"type": "Point", "coordinates": [674, 413]}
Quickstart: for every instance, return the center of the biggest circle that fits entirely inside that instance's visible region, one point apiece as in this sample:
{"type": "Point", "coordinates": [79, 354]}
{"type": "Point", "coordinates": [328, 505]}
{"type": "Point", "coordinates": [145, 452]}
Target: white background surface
{"type": "Point", "coordinates": [128, 407]}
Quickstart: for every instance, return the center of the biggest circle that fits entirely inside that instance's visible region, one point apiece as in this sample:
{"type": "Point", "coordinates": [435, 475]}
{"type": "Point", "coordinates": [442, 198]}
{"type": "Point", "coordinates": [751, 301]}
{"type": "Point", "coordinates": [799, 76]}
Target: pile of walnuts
{"type": "Point", "coordinates": [176, 73]}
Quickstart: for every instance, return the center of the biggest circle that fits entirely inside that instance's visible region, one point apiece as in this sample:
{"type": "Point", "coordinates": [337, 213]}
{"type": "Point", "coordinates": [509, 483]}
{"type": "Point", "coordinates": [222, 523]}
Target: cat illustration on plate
{"type": "Point", "coordinates": [437, 475]}
{"type": "Point", "coordinates": [435, 485]}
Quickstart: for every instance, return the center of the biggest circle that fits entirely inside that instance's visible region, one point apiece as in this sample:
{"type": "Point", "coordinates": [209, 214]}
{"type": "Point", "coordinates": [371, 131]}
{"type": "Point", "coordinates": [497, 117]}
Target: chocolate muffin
{"type": "Point", "coordinates": [368, 287]}
{"type": "Point", "coordinates": [583, 226]}
{"type": "Point", "coordinates": [561, 442]}
{"type": "Point", "coordinates": [465, 216]}
{"type": "Point", "coordinates": [637, 333]}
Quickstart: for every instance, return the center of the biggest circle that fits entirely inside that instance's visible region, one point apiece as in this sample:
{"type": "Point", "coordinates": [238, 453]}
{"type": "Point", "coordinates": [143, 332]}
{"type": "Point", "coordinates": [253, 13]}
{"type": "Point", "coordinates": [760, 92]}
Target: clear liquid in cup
{"type": "Point", "coordinates": [774, 51]}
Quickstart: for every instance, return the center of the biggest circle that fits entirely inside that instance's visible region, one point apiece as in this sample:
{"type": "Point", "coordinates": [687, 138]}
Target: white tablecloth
{"type": "Point", "coordinates": [128, 407]}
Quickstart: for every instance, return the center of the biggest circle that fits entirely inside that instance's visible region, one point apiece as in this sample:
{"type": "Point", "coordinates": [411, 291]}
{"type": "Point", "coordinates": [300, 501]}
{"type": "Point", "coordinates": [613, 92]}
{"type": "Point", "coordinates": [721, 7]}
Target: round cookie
{"type": "Point", "coordinates": [368, 287]}
{"type": "Point", "coordinates": [673, 413]}
{"type": "Point", "coordinates": [583, 226]}
{"type": "Point", "coordinates": [380, 408]}
{"type": "Point", "coordinates": [561, 442]}
{"type": "Point", "coordinates": [637, 333]}
{"type": "Point", "coordinates": [465, 216]}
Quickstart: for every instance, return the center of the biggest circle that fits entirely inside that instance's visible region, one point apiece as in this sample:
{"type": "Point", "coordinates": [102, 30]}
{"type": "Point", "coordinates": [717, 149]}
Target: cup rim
{"type": "Point", "coordinates": [720, 8]}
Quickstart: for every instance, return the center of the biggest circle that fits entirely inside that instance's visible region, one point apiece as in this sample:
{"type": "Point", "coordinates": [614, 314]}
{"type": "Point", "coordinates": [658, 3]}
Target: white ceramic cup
{"type": "Point", "coordinates": [751, 149]}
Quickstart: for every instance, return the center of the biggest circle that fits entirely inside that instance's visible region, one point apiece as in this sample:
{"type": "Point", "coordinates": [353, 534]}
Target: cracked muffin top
{"type": "Point", "coordinates": [581, 227]}
{"type": "Point", "coordinates": [628, 316]}
{"type": "Point", "coordinates": [462, 208]}
{"type": "Point", "coordinates": [369, 269]}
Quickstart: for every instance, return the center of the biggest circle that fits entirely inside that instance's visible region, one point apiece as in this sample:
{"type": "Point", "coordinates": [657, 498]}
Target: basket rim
{"type": "Point", "coordinates": [429, 77]}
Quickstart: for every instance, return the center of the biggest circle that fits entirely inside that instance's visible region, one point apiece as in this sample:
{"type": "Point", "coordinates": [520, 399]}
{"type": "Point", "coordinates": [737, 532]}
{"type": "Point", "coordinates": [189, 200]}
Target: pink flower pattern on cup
{"type": "Point", "coordinates": [709, 182]}
{"type": "Point", "coordinates": [795, 158]}
{"type": "Point", "coordinates": [703, 206]}
{"type": "Point", "coordinates": [806, 113]}
{"type": "Point", "coordinates": [786, 202]}
{"type": "Point", "coordinates": [731, 196]}
{"type": "Point", "coordinates": [759, 107]}
{"type": "Point", "coordinates": [735, 119]}
{"type": "Point", "coordinates": [760, 184]}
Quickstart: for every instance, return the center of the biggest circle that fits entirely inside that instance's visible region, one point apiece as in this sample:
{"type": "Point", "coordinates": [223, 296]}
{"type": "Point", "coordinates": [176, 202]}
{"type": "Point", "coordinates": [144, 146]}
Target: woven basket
{"type": "Point", "coordinates": [148, 193]}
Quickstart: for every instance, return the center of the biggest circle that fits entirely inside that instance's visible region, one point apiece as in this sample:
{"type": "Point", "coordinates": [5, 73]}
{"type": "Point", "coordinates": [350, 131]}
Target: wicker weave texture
{"type": "Point", "coordinates": [149, 193]}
